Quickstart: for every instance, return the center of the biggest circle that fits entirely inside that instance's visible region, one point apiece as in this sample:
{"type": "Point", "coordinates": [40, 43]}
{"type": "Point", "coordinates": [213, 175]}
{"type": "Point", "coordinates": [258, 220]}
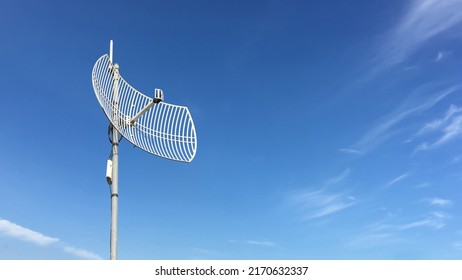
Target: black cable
{"type": "Point", "coordinates": [110, 130]}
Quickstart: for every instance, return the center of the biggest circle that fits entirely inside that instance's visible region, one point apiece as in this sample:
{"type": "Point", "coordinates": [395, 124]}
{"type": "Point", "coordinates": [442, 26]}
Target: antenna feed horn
{"type": "Point", "coordinates": [158, 95]}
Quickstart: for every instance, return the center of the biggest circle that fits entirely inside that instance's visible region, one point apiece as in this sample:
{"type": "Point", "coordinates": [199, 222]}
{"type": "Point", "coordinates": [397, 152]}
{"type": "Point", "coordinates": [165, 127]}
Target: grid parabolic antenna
{"type": "Point", "coordinates": [159, 128]}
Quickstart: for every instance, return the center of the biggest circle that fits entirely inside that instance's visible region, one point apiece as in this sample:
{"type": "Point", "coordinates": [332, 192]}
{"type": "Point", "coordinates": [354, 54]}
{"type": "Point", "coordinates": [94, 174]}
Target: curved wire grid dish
{"type": "Point", "coordinates": [164, 130]}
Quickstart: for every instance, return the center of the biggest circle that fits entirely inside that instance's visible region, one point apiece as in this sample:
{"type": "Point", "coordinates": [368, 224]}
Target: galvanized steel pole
{"type": "Point", "coordinates": [115, 162]}
{"type": "Point", "coordinates": [114, 193]}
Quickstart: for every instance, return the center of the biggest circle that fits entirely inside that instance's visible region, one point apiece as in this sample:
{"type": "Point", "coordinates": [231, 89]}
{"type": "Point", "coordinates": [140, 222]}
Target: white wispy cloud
{"type": "Point", "coordinates": [16, 231]}
{"type": "Point", "coordinates": [254, 243]}
{"type": "Point", "coordinates": [436, 201]}
{"type": "Point", "coordinates": [422, 185]}
{"type": "Point", "coordinates": [339, 178]}
{"type": "Point", "coordinates": [370, 240]}
{"type": "Point", "coordinates": [451, 131]}
{"type": "Point", "coordinates": [422, 21]}
{"type": "Point", "coordinates": [386, 127]}
{"type": "Point", "coordinates": [434, 220]}
{"type": "Point", "coordinates": [449, 127]}
{"type": "Point", "coordinates": [351, 151]}
{"type": "Point", "coordinates": [81, 253]}
{"type": "Point", "coordinates": [397, 179]}
{"type": "Point", "coordinates": [261, 243]}
{"type": "Point", "coordinates": [208, 252]}
{"type": "Point", "coordinates": [319, 203]}
{"type": "Point", "coordinates": [442, 55]}
{"type": "Point", "coordinates": [385, 232]}
{"type": "Point", "coordinates": [22, 233]}
{"type": "Point", "coordinates": [439, 123]}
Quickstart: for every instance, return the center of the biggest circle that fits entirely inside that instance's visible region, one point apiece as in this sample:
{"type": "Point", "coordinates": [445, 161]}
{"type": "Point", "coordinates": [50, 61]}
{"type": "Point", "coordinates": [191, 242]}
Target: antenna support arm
{"type": "Point", "coordinates": [158, 97]}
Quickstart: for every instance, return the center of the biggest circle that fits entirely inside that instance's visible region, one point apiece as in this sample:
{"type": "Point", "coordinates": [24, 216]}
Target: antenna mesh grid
{"type": "Point", "coordinates": [165, 130]}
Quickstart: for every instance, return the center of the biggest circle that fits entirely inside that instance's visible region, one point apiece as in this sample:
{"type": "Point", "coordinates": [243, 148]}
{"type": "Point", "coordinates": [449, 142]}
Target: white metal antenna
{"type": "Point", "coordinates": [159, 128]}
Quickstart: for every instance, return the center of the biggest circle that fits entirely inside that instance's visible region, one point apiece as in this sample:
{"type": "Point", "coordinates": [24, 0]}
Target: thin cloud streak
{"type": "Point", "coordinates": [397, 179]}
{"type": "Point", "coordinates": [423, 21]}
{"type": "Point", "coordinates": [450, 126]}
{"type": "Point", "coordinates": [434, 220]}
{"type": "Point", "coordinates": [436, 224]}
{"type": "Point", "coordinates": [383, 233]}
{"type": "Point", "coordinates": [16, 231]}
{"type": "Point", "coordinates": [384, 129]}
{"type": "Point", "coordinates": [81, 253]}
{"type": "Point", "coordinates": [442, 55]}
{"type": "Point", "coordinates": [439, 123]}
{"type": "Point", "coordinates": [342, 176]}
{"type": "Point", "coordinates": [440, 202]}
{"type": "Point", "coordinates": [371, 240]}
{"type": "Point", "coordinates": [351, 151]}
{"type": "Point", "coordinates": [210, 253]}
{"type": "Point", "coordinates": [453, 130]}
{"type": "Point", "coordinates": [261, 243]}
{"type": "Point", "coordinates": [254, 243]}
{"type": "Point", "coordinates": [21, 233]}
{"type": "Point", "coordinates": [319, 203]}
{"type": "Point", "coordinates": [422, 185]}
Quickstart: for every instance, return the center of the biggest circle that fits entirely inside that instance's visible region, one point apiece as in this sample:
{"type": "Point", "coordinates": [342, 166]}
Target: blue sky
{"type": "Point", "coordinates": [327, 130]}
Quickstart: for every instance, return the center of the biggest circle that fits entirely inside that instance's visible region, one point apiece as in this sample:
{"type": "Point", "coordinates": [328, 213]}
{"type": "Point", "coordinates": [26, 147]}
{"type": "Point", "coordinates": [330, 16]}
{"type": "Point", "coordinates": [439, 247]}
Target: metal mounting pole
{"type": "Point", "coordinates": [115, 167]}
